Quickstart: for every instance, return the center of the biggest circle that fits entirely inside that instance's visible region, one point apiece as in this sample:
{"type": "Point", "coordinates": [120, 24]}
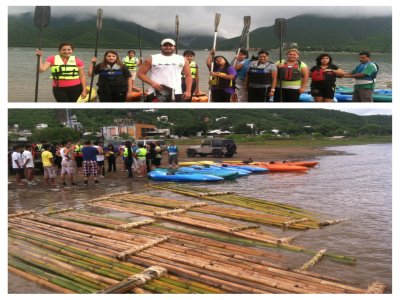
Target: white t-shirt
{"type": "Point", "coordinates": [28, 155]}
{"type": "Point", "coordinates": [15, 156]}
{"type": "Point", "coordinates": [167, 70]}
{"type": "Point", "coordinates": [100, 156]}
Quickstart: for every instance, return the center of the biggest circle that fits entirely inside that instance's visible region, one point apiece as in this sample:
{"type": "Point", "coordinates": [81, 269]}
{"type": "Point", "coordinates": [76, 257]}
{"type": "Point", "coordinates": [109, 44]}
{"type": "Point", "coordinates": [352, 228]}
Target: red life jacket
{"type": "Point", "coordinates": [319, 75]}
{"type": "Point", "coordinates": [290, 73]}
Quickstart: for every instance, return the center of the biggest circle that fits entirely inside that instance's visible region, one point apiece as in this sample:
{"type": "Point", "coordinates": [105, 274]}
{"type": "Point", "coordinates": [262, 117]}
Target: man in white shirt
{"type": "Point", "coordinates": [67, 163]}
{"type": "Point", "coordinates": [165, 73]}
{"type": "Point", "coordinates": [29, 165]}
{"type": "Point", "coordinates": [18, 164]}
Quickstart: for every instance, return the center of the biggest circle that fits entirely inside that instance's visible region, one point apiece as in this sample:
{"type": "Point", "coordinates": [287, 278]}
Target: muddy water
{"type": "Point", "coordinates": [342, 186]}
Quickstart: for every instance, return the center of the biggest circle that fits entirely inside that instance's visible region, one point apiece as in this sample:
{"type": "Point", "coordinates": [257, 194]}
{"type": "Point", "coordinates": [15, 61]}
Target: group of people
{"type": "Point", "coordinates": [259, 80]}
{"type": "Point", "coordinates": [173, 77]}
{"type": "Point", "coordinates": [87, 160]}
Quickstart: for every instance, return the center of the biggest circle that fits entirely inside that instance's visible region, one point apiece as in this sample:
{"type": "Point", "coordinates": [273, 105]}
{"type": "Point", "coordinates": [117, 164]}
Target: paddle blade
{"type": "Point", "coordinates": [42, 16]}
{"type": "Point", "coordinates": [280, 27]}
{"type": "Point", "coordinates": [99, 20]}
{"type": "Point", "coordinates": [216, 21]}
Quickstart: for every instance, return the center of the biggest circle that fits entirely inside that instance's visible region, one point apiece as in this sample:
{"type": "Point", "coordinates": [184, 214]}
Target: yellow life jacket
{"type": "Point", "coordinates": [193, 69]}
{"type": "Point", "coordinates": [219, 82]}
{"type": "Point", "coordinates": [130, 63]}
{"type": "Point", "coordinates": [142, 153]}
{"type": "Point", "coordinates": [68, 71]}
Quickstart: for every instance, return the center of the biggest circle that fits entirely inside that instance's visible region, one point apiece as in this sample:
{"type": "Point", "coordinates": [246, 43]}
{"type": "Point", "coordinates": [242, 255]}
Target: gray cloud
{"type": "Point", "coordinates": [200, 19]}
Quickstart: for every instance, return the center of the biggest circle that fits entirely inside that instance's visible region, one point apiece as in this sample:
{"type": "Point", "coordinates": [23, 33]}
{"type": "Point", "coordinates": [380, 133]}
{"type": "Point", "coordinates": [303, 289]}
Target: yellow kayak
{"type": "Point", "coordinates": [200, 162]}
{"type": "Point", "coordinates": [86, 99]}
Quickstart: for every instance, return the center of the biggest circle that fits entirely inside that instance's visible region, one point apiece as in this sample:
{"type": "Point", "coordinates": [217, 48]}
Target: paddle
{"type": "Point", "coordinates": [245, 32]}
{"type": "Point", "coordinates": [99, 24]}
{"type": "Point", "coordinates": [41, 19]}
{"type": "Point", "coordinates": [248, 34]}
{"type": "Point", "coordinates": [216, 24]}
{"type": "Point", "coordinates": [280, 31]}
{"type": "Point", "coordinates": [141, 60]}
{"type": "Point", "coordinates": [177, 33]}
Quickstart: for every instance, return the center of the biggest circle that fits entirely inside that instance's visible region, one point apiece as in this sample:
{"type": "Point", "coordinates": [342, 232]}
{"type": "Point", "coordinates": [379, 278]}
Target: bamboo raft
{"type": "Point", "coordinates": [271, 213]}
{"type": "Point", "coordinates": [73, 251]}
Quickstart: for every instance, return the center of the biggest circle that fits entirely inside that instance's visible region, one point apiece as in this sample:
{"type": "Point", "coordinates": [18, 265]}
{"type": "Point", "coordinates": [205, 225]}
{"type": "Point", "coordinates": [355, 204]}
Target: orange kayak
{"type": "Point", "coordinates": [282, 167]}
{"type": "Point", "coordinates": [308, 164]}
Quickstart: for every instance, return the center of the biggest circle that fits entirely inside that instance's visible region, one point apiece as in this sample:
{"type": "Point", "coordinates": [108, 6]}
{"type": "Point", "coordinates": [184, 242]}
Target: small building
{"type": "Point", "coordinates": [41, 126]}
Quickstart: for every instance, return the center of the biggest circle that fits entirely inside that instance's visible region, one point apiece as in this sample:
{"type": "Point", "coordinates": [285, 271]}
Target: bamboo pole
{"type": "Point", "coordinates": [40, 281]}
{"type": "Point", "coordinates": [136, 280]}
{"type": "Point", "coordinates": [308, 265]}
{"type": "Point", "coordinates": [376, 288]}
{"type": "Point", "coordinates": [135, 250]}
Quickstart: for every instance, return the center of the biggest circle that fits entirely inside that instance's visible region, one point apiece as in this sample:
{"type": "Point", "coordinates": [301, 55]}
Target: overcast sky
{"type": "Point", "coordinates": [200, 19]}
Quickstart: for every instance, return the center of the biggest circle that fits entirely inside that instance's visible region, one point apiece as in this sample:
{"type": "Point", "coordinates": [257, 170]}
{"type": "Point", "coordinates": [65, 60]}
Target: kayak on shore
{"type": "Point", "coordinates": [345, 94]}
{"type": "Point", "coordinates": [226, 174]}
{"type": "Point", "coordinates": [176, 176]}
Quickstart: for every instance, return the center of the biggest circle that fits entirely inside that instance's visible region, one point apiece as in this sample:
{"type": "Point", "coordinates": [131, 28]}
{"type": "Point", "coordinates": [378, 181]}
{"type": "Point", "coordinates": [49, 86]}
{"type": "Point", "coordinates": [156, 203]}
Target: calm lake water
{"type": "Point", "coordinates": [22, 69]}
{"type": "Point", "coordinates": [346, 186]}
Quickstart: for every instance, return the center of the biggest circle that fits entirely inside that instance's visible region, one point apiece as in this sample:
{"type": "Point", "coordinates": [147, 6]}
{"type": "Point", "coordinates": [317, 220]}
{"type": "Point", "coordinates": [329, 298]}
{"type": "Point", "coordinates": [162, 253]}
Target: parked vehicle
{"type": "Point", "coordinates": [215, 147]}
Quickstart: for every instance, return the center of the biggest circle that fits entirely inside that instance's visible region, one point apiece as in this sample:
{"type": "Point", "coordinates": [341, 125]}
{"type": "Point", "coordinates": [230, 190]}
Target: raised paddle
{"type": "Point", "coordinates": [177, 33]}
{"type": "Point", "coordinates": [245, 32]}
{"type": "Point", "coordinates": [99, 24]}
{"type": "Point", "coordinates": [41, 19]}
{"type": "Point", "coordinates": [141, 60]}
{"type": "Point", "coordinates": [216, 24]}
{"type": "Point", "coordinates": [280, 31]}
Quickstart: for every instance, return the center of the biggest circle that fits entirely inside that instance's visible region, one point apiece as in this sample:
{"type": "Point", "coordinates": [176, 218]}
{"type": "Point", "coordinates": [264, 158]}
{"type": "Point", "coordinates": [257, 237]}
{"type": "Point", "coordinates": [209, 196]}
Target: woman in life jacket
{"type": "Point", "coordinates": [194, 71]}
{"type": "Point", "coordinates": [222, 78]}
{"type": "Point", "coordinates": [115, 81]}
{"type": "Point", "coordinates": [292, 76]}
{"type": "Point", "coordinates": [261, 78]}
{"type": "Point", "coordinates": [323, 78]}
{"type": "Point", "coordinates": [67, 72]}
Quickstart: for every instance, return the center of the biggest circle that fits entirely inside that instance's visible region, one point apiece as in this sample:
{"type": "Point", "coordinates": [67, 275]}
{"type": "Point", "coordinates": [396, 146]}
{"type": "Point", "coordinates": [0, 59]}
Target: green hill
{"type": "Point", "coordinates": [309, 31]}
{"type": "Point", "coordinates": [294, 121]}
{"type": "Point", "coordinates": [312, 32]}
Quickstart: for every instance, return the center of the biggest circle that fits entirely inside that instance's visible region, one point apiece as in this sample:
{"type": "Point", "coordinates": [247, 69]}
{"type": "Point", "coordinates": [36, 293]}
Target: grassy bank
{"type": "Point", "coordinates": [262, 140]}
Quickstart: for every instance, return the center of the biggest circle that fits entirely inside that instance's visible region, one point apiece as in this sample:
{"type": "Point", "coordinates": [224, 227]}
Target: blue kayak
{"type": "Point", "coordinates": [226, 174]}
{"type": "Point", "coordinates": [159, 175]}
{"type": "Point", "coordinates": [345, 94]}
{"type": "Point", "coordinates": [240, 172]}
{"type": "Point", "coordinates": [249, 168]}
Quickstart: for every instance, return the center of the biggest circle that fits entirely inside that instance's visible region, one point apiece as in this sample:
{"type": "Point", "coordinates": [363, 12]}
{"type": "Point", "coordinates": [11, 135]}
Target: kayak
{"type": "Point", "coordinates": [201, 97]}
{"type": "Point", "coordinates": [276, 167]}
{"type": "Point", "coordinates": [306, 97]}
{"type": "Point", "coordinates": [252, 169]}
{"type": "Point", "coordinates": [86, 99]}
{"type": "Point", "coordinates": [182, 177]}
{"type": "Point", "coordinates": [308, 164]}
{"type": "Point", "coordinates": [134, 96]}
{"type": "Point", "coordinates": [240, 172]}
{"type": "Point", "coordinates": [345, 94]}
{"type": "Point", "coordinates": [226, 174]}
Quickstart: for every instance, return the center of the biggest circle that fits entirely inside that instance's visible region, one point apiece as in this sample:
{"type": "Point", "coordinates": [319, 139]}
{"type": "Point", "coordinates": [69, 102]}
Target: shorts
{"type": "Point", "coordinates": [90, 168]}
{"type": "Point", "coordinates": [67, 167]}
{"type": "Point", "coordinates": [133, 73]}
{"type": "Point", "coordinates": [79, 161]}
{"type": "Point", "coordinates": [19, 171]}
{"type": "Point", "coordinates": [327, 92]}
{"type": "Point", "coordinates": [173, 159]}
{"type": "Point", "coordinates": [49, 172]}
